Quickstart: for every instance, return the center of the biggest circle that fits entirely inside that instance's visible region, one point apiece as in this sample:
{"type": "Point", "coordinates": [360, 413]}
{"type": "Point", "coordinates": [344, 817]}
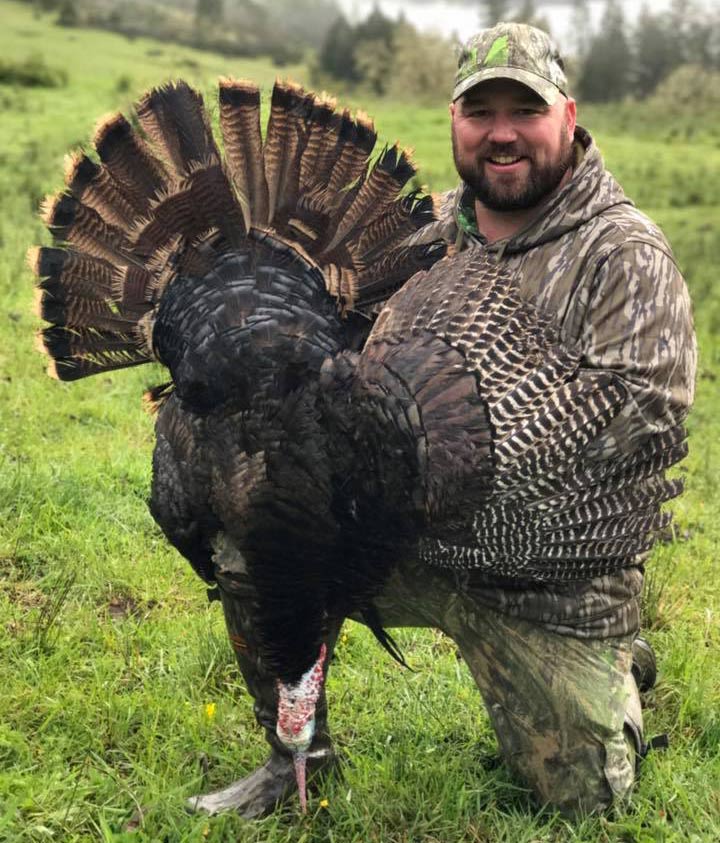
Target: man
{"type": "Point", "coordinates": [553, 662]}
{"type": "Point", "coordinates": [534, 192]}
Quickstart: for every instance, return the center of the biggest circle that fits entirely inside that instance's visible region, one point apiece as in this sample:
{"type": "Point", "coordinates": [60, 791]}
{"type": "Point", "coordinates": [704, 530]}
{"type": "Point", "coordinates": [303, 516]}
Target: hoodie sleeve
{"type": "Point", "coordinates": [639, 325]}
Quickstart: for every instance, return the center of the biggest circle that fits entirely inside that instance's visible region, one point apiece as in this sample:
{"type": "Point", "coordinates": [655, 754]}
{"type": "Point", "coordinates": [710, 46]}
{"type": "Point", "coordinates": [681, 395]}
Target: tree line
{"type": "Point", "coordinates": [615, 61]}
{"type": "Point", "coordinates": [386, 57]}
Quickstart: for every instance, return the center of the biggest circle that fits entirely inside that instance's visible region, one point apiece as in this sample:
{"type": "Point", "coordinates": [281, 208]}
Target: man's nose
{"type": "Point", "coordinates": [502, 129]}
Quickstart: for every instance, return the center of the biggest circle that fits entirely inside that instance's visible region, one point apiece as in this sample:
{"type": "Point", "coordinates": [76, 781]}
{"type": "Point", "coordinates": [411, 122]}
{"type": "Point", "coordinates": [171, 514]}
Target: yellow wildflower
{"type": "Point", "coordinates": [210, 709]}
{"type": "Point", "coordinates": [324, 803]}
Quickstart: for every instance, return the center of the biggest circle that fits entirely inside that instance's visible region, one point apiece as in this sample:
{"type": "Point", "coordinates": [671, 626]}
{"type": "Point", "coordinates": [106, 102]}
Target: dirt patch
{"type": "Point", "coordinates": [123, 606]}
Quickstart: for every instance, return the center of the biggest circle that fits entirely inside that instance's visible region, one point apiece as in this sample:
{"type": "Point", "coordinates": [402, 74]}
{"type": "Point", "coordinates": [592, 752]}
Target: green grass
{"type": "Point", "coordinates": [109, 651]}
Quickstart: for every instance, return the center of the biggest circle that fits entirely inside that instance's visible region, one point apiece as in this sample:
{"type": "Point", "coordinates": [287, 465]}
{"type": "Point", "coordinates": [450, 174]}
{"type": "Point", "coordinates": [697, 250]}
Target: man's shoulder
{"type": "Point", "coordinates": [625, 225]}
{"type": "Point", "coordinates": [610, 215]}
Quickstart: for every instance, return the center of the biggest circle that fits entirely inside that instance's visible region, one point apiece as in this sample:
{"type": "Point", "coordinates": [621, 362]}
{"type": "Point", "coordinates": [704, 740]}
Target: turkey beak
{"type": "Point", "coordinates": [300, 763]}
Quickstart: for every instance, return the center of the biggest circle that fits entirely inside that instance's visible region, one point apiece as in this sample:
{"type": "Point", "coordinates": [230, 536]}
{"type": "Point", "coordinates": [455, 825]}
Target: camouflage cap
{"type": "Point", "coordinates": [512, 51]}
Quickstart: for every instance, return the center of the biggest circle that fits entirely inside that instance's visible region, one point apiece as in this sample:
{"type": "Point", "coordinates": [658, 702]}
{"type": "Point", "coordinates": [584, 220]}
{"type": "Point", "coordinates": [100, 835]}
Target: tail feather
{"type": "Point", "coordinates": [356, 141]}
{"type": "Point", "coordinates": [203, 201]}
{"type": "Point", "coordinates": [127, 159]}
{"type": "Point", "coordinates": [71, 271]}
{"type": "Point", "coordinates": [64, 343]}
{"type": "Point", "coordinates": [389, 229]}
{"type": "Point", "coordinates": [321, 142]}
{"type": "Point", "coordinates": [380, 279]}
{"type": "Point", "coordinates": [385, 180]}
{"type": "Point", "coordinates": [174, 120]}
{"type": "Point", "coordinates": [79, 312]}
{"type": "Point", "coordinates": [93, 185]}
{"type": "Point", "coordinates": [76, 368]}
{"type": "Point", "coordinates": [240, 126]}
{"type": "Point", "coordinates": [82, 227]}
{"type": "Point", "coordinates": [283, 140]}
{"type": "Point", "coordinates": [300, 133]}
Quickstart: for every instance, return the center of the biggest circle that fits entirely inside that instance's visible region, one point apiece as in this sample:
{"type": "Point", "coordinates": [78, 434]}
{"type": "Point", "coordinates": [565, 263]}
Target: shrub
{"type": "Point", "coordinates": [689, 87]}
{"type": "Point", "coordinates": [32, 72]}
{"type": "Point", "coordinates": [423, 67]}
{"type": "Point", "coordinates": [68, 14]}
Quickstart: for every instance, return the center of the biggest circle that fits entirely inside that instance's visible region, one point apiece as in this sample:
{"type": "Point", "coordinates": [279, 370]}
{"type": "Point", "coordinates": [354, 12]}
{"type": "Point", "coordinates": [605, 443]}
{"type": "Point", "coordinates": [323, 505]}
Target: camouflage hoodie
{"type": "Point", "coordinates": [609, 274]}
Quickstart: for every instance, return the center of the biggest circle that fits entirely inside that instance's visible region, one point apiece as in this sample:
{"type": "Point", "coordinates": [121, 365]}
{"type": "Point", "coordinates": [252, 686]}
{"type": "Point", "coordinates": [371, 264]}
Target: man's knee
{"type": "Point", "coordinates": [571, 734]}
{"type": "Point", "coordinates": [582, 779]}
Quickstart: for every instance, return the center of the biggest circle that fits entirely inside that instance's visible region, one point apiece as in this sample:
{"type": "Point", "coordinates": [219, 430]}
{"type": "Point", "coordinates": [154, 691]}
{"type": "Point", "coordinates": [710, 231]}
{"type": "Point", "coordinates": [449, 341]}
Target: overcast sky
{"type": "Point", "coordinates": [463, 17]}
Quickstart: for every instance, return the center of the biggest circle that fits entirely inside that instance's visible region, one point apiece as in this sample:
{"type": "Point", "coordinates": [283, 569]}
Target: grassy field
{"type": "Point", "coordinates": [117, 686]}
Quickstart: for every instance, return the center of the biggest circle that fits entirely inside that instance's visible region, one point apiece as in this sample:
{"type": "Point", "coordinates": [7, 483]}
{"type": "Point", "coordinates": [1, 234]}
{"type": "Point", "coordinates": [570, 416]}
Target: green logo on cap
{"type": "Point", "coordinates": [498, 54]}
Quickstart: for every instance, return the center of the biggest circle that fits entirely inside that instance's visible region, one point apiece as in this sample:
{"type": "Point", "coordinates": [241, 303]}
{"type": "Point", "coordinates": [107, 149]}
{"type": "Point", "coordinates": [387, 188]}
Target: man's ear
{"type": "Point", "coordinates": [571, 116]}
{"type": "Point", "coordinates": [451, 108]}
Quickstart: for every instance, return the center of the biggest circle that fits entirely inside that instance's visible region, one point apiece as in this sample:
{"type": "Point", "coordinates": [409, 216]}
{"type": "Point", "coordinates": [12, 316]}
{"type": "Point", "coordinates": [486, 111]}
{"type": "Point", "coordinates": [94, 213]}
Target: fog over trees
{"type": "Point", "coordinates": [614, 59]}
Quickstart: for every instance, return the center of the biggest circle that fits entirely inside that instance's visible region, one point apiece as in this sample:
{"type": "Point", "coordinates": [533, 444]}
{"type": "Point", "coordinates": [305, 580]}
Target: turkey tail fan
{"type": "Point", "coordinates": [200, 202]}
{"type": "Point", "coordinates": [160, 202]}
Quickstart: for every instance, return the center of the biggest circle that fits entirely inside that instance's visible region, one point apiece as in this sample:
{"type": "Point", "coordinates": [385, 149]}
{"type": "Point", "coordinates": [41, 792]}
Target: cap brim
{"type": "Point", "coordinates": [542, 87]}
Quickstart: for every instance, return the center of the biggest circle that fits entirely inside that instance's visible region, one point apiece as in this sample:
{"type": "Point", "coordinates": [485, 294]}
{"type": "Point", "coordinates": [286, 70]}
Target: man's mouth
{"type": "Point", "coordinates": [507, 162]}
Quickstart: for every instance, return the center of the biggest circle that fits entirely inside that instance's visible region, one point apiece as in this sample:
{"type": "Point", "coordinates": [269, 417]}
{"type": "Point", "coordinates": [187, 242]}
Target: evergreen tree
{"type": "Point", "coordinates": [370, 41]}
{"type": "Point", "coordinates": [302, 22]}
{"type": "Point", "coordinates": [376, 27]}
{"type": "Point", "coordinates": [209, 12]}
{"type": "Point", "coordinates": [528, 13]}
{"type": "Point", "coordinates": [67, 13]}
{"type": "Point", "coordinates": [337, 54]}
{"type": "Point", "coordinates": [581, 28]}
{"type": "Point", "coordinates": [374, 64]}
{"type": "Point", "coordinates": [658, 50]}
{"type": "Point", "coordinates": [428, 81]}
{"type": "Point", "coordinates": [697, 29]}
{"type": "Point", "coordinates": [492, 11]}
{"type": "Point", "coordinates": [606, 71]}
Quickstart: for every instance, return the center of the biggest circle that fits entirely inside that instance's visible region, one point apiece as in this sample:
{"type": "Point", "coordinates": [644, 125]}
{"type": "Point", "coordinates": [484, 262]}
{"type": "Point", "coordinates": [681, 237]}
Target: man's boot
{"type": "Point", "coordinates": [644, 665]}
{"type": "Point", "coordinates": [260, 792]}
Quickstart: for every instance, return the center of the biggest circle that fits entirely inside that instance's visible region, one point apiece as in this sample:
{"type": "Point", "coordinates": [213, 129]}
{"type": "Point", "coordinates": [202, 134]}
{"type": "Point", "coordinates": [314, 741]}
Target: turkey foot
{"type": "Point", "coordinates": [264, 789]}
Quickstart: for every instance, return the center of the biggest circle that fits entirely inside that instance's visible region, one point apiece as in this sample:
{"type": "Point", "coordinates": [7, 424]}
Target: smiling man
{"type": "Point", "coordinates": [559, 665]}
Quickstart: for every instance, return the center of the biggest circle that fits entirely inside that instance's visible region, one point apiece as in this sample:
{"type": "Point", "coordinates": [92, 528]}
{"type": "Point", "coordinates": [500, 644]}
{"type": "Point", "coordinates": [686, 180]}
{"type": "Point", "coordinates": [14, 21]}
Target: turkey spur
{"type": "Point", "coordinates": [304, 447]}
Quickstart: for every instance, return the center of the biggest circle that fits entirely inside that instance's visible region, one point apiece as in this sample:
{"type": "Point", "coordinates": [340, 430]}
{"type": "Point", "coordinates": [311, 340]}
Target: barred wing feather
{"type": "Point", "coordinates": [546, 511]}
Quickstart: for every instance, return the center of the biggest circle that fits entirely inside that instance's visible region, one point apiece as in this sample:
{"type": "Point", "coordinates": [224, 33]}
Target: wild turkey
{"type": "Point", "coordinates": [318, 446]}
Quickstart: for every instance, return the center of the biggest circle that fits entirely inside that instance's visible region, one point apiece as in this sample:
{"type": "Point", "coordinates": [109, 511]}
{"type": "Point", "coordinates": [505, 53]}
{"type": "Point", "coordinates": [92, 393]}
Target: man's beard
{"type": "Point", "coordinates": [540, 183]}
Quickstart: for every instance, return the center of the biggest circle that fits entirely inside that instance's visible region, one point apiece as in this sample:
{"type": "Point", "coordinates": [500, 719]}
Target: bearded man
{"type": "Point", "coordinates": [558, 665]}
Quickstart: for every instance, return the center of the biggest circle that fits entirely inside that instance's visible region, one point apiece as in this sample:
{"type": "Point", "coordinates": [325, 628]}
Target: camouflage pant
{"type": "Point", "coordinates": [553, 667]}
